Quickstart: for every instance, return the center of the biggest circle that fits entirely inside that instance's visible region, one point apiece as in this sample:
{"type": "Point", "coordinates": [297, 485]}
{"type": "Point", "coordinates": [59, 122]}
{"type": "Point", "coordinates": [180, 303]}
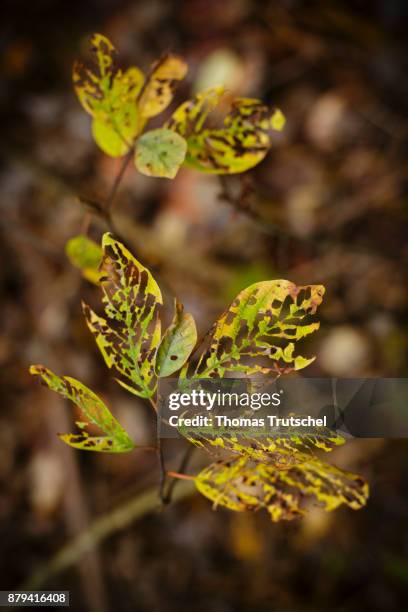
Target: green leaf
{"type": "Point", "coordinates": [129, 336]}
{"type": "Point", "coordinates": [241, 143]}
{"type": "Point", "coordinates": [160, 153]}
{"type": "Point", "coordinates": [159, 89]}
{"type": "Point", "coordinates": [94, 412]}
{"type": "Point", "coordinates": [114, 134]}
{"type": "Point", "coordinates": [177, 343]}
{"type": "Point", "coordinates": [262, 325]}
{"type": "Point", "coordinates": [110, 96]}
{"type": "Point", "coordinates": [86, 255]}
{"type": "Point", "coordinates": [242, 485]}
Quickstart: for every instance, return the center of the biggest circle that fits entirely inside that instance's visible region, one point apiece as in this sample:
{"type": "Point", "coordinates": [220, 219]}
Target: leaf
{"type": "Point", "coordinates": [283, 450]}
{"type": "Point", "coordinates": [177, 343]}
{"type": "Point", "coordinates": [277, 120]}
{"type": "Point", "coordinates": [160, 153]}
{"type": "Point", "coordinates": [86, 255]}
{"type": "Point", "coordinates": [262, 324]}
{"type": "Point", "coordinates": [115, 139]}
{"type": "Point", "coordinates": [92, 87]}
{"type": "Point", "coordinates": [94, 411]}
{"type": "Point", "coordinates": [159, 89]}
{"type": "Point", "coordinates": [129, 336]}
{"type": "Point", "coordinates": [243, 485]}
{"type": "Point", "coordinates": [110, 96]}
{"type": "Point", "coordinates": [188, 119]}
{"type": "Point", "coordinates": [241, 143]}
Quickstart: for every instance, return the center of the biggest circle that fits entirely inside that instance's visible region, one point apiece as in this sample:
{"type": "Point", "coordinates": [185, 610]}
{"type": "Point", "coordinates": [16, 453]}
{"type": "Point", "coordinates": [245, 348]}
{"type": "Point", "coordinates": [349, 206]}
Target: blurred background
{"type": "Point", "coordinates": [327, 205]}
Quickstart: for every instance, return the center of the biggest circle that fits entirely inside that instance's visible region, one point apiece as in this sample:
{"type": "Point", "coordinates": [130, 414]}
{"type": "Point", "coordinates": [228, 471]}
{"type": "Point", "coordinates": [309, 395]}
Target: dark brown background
{"type": "Point", "coordinates": [327, 205]}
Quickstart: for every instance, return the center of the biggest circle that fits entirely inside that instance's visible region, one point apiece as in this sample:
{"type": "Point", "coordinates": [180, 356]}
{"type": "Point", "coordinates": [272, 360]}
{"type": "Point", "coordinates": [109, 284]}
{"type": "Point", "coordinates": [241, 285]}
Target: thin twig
{"type": "Point", "coordinates": [96, 208]}
{"type": "Point", "coordinates": [105, 210]}
{"type": "Point", "coordinates": [162, 470]}
{"type": "Point", "coordinates": [179, 476]}
{"type": "Point", "coordinates": [116, 183]}
{"type": "Point", "coordinates": [240, 201]}
{"type": "Point", "coordinates": [180, 472]}
{"type": "Point", "coordinates": [150, 72]}
{"type": "Point", "coordinates": [160, 456]}
{"type": "Point", "coordinates": [86, 222]}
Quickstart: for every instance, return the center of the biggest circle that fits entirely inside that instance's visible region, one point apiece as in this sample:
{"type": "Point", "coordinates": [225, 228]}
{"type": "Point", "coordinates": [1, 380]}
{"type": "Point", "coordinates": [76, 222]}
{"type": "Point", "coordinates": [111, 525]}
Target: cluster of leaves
{"type": "Point", "coordinates": [243, 484]}
{"type": "Point", "coordinates": [258, 333]}
{"type": "Point", "coordinates": [122, 102]}
{"type": "Point", "coordinates": [280, 474]}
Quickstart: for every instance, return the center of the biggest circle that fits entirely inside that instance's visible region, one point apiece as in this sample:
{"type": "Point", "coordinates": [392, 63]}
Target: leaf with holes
{"type": "Point", "coordinates": [93, 411]}
{"type": "Point", "coordinates": [281, 450]}
{"type": "Point", "coordinates": [160, 153]}
{"type": "Point", "coordinates": [262, 325]}
{"type": "Point", "coordinates": [86, 255]}
{"type": "Point", "coordinates": [189, 118]}
{"type": "Point", "coordinates": [177, 343]}
{"type": "Point", "coordinates": [159, 89]}
{"type": "Point", "coordinates": [129, 336]}
{"type": "Point", "coordinates": [242, 485]}
{"type": "Point", "coordinates": [110, 96]}
{"type": "Point", "coordinates": [242, 141]}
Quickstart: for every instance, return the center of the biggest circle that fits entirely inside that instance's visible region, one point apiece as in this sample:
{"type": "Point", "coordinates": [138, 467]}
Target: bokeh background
{"type": "Point", "coordinates": [327, 205]}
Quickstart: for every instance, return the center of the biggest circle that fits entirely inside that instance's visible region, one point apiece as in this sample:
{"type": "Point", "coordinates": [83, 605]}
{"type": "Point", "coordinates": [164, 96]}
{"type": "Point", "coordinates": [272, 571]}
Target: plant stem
{"type": "Point", "coordinates": [180, 476]}
{"type": "Point", "coordinates": [160, 456]}
{"type": "Point", "coordinates": [105, 210]}
{"type": "Point", "coordinates": [112, 194]}
{"type": "Point", "coordinates": [99, 530]}
{"type": "Point", "coordinates": [162, 468]}
{"type": "Point", "coordinates": [182, 467]}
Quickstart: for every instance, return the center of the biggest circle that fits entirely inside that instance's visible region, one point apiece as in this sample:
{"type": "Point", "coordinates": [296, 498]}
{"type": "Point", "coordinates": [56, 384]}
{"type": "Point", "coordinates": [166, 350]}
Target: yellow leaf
{"type": "Point", "coordinates": [110, 96]}
{"type": "Point", "coordinates": [94, 411]}
{"type": "Point", "coordinates": [242, 141]}
{"type": "Point", "coordinates": [262, 324]}
{"type": "Point", "coordinates": [159, 89]}
{"type": "Point", "coordinates": [241, 485]}
{"type": "Point", "coordinates": [129, 336]}
{"type": "Point", "coordinates": [278, 120]}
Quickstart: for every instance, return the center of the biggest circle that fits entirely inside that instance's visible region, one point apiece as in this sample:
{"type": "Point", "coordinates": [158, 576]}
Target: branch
{"type": "Point", "coordinates": [180, 473]}
{"type": "Point", "coordinates": [162, 470]}
{"type": "Point", "coordinates": [105, 210]}
{"type": "Point", "coordinates": [241, 201]}
{"type": "Point", "coordinates": [99, 530]}
{"type": "Point", "coordinates": [116, 183]}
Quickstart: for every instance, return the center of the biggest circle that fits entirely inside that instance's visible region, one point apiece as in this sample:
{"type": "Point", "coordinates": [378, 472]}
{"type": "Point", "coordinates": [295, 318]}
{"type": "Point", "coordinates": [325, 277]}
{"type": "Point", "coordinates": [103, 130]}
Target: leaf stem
{"type": "Point", "coordinates": [180, 476]}
{"type": "Point", "coordinates": [182, 467]}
